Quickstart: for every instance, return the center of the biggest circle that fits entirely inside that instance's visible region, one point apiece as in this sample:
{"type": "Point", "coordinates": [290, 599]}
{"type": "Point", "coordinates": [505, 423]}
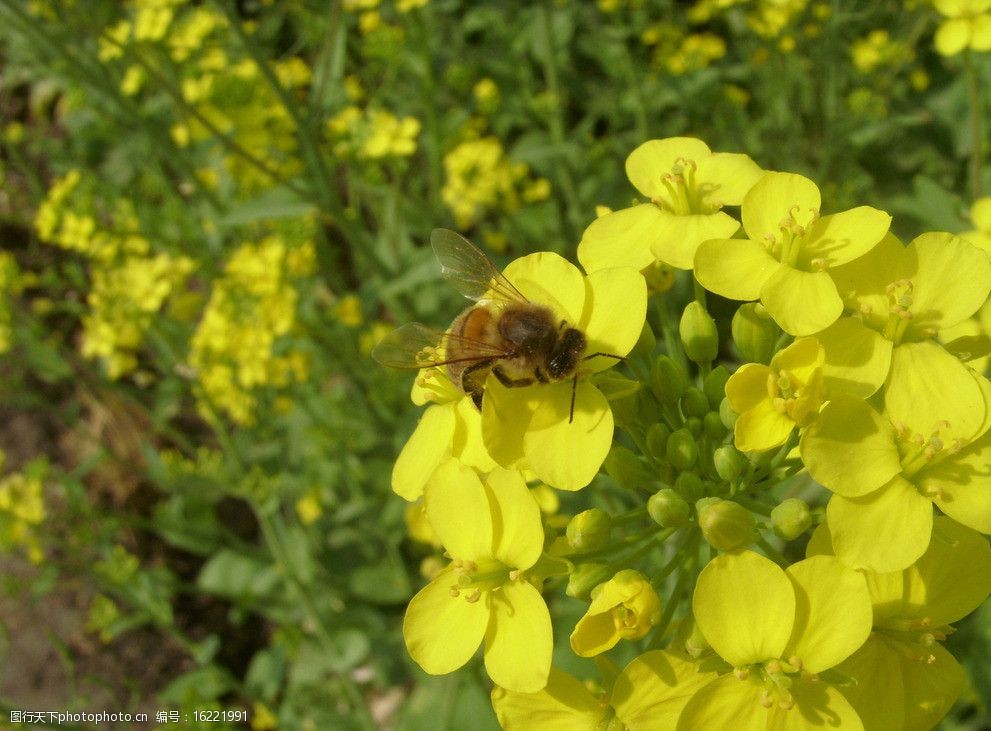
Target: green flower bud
{"type": "Point", "coordinates": [657, 440]}
{"type": "Point", "coordinates": [726, 525]}
{"type": "Point", "coordinates": [694, 403]}
{"type": "Point", "coordinates": [712, 425]}
{"type": "Point", "coordinates": [754, 332]}
{"type": "Point", "coordinates": [715, 386]}
{"type": "Point", "coordinates": [627, 469]}
{"type": "Point", "coordinates": [589, 530]}
{"type": "Point", "coordinates": [695, 642]}
{"type": "Point", "coordinates": [645, 344]}
{"type": "Point", "coordinates": [585, 577]}
{"type": "Point", "coordinates": [668, 380]}
{"type": "Point", "coordinates": [729, 462]}
{"type": "Point", "coordinates": [694, 425]}
{"type": "Point", "coordinates": [698, 334]}
{"type": "Point", "coordinates": [682, 452]}
{"type": "Point", "coordinates": [690, 485]}
{"type": "Point", "coordinates": [727, 415]}
{"type": "Point", "coordinates": [791, 518]}
{"type": "Point", "coordinates": [667, 508]}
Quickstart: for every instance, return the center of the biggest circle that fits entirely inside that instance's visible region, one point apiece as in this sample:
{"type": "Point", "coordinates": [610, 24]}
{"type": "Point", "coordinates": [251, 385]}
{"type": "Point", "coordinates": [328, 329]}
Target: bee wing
{"type": "Point", "coordinates": [469, 270]}
{"type": "Point", "coordinates": [417, 346]}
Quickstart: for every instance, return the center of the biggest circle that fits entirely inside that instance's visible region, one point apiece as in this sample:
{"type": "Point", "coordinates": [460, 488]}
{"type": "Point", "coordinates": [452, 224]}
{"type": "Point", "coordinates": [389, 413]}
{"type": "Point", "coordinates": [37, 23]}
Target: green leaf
{"type": "Point", "coordinates": [233, 575]}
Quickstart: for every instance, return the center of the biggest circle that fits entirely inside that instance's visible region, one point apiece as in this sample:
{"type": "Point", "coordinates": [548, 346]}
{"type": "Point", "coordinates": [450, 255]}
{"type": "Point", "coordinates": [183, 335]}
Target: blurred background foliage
{"type": "Point", "coordinates": [210, 211]}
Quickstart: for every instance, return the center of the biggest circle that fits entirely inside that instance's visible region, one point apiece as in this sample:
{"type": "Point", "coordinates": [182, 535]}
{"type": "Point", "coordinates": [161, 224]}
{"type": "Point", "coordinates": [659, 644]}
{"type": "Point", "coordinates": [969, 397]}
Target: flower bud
{"type": "Point", "coordinates": [729, 462]}
{"type": "Point", "coordinates": [698, 334]}
{"type": "Point", "coordinates": [657, 440]}
{"type": "Point", "coordinates": [585, 577]}
{"type": "Point", "coordinates": [713, 426]}
{"type": "Point", "coordinates": [715, 386]}
{"type": "Point", "coordinates": [645, 344]}
{"type": "Point", "coordinates": [668, 380]}
{"type": "Point", "coordinates": [725, 525]}
{"type": "Point", "coordinates": [631, 607]}
{"type": "Point", "coordinates": [689, 484]}
{"type": "Point", "coordinates": [589, 530]}
{"type": "Point", "coordinates": [791, 518]}
{"type": "Point", "coordinates": [694, 425]}
{"type": "Point", "coordinates": [626, 468]}
{"type": "Point", "coordinates": [754, 332]}
{"type": "Point", "coordinates": [727, 415]}
{"type": "Point", "coordinates": [694, 403]}
{"type": "Point", "coordinates": [682, 452]}
{"type": "Point", "coordinates": [667, 508]}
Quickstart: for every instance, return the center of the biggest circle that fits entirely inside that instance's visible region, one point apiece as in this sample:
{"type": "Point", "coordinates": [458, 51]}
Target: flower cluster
{"type": "Point", "coordinates": [373, 134]}
{"type": "Point", "coordinates": [480, 178]}
{"type": "Point", "coordinates": [241, 341]}
{"type": "Point", "coordinates": [22, 510]}
{"type": "Point", "coordinates": [855, 429]}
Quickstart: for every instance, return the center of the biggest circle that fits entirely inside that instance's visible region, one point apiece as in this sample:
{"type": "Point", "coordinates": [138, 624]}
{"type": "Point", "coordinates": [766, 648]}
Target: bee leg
{"type": "Point", "coordinates": [511, 382]}
{"type": "Point", "coordinates": [574, 390]}
{"type": "Point", "coordinates": [468, 383]}
{"type": "Point", "coordinates": [541, 376]}
{"type": "Point", "coordinates": [605, 355]}
{"type": "Point", "coordinates": [476, 398]}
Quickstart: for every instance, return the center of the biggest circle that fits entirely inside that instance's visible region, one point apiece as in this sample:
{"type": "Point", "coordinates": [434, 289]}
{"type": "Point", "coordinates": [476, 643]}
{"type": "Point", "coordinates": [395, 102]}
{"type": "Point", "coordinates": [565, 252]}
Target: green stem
{"type": "Point", "coordinates": [686, 577]}
{"type": "Point", "coordinates": [754, 506]}
{"type": "Point", "coordinates": [976, 118]}
{"type": "Point", "coordinates": [772, 553]}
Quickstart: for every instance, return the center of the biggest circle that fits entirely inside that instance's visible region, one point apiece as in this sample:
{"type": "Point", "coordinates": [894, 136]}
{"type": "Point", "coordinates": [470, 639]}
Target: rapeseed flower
{"type": "Point", "coordinates": [967, 25]}
{"type": "Point", "coordinates": [532, 427]}
{"type": "Point", "coordinates": [494, 534]}
{"type": "Point", "coordinates": [773, 400]}
{"type": "Point", "coordinates": [687, 185]}
{"type": "Point", "coordinates": [904, 677]}
{"type": "Point", "coordinates": [785, 260]}
{"type": "Point", "coordinates": [624, 608]}
{"type": "Point", "coordinates": [647, 696]}
{"type": "Point", "coordinates": [980, 216]}
{"type": "Point", "coordinates": [887, 470]}
{"type": "Point", "coordinates": [779, 630]}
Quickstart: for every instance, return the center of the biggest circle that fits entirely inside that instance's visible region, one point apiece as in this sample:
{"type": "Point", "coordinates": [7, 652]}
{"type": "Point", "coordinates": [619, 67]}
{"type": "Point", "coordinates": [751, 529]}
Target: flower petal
{"type": "Point", "coordinates": [775, 197]}
{"type": "Point", "coordinates": [466, 443]}
{"type": "Point", "coordinates": [725, 703]}
{"type": "Point", "coordinates": [565, 704]}
{"type": "Point", "coordinates": [952, 282]}
{"type": "Point", "coordinates": [802, 303]}
{"type": "Point", "coordinates": [762, 427]}
{"type": "Point", "coordinates": [817, 705]}
{"type": "Point", "coordinates": [443, 632]}
{"type": "Point", "coordinates": [567, 455]}
{"type": "Point", "coordinates": [614, 313]}
{"type": "Point", "coordinates": [928, 389]}
{"type": "Point", "coordinates": [727, 177]}
{"type": "Point", "coordinates": [952, 36]}
{"type": "Point", "coordinates": [427, 447]}
{"type": "Point", "coordinates": [646, 165]}
{"type": "Point", "coordinates": [885, 531]}
{"type": "Point", "coordinates": [624, 238]}
{"type": "Point", "coordinates": [862, 283]}
{"type": "Point", "coordinates": [653, 689]}
{"type": "Point", "coordinates": [745, 607]}
{"type": "Point", "coordinates": [506, 415]}
{"type": "Point", "coordinates": [851, 448]}
{"type": "Point", "coordinates": [747, 387]}
{"type": "Point", "coordinates": [518, 533]}
{"type": "Point", "coordinates": [857, 358]}
{"type": "Point", "coordinates": [980, 39]}
{"type": "Point", "coordinates": [833, 615]}
{"type": "Point", "coordinates": [519, 639]}
{"type": "Point", "coordinates": [879, 693]}
{"type": "Point", "coordinates": [546, 278]}
{"type": "Point", "coordinates": [457, 506]}
{"type": "Point", "coordinates": [734, 268]}
{"type": "Point", "coordinates": [960, 484]}
{"type": "Point", "coordinates": [843, 237]}
{"type": "Point", "coordinates": [931, 687]}
{"type": "Point", "coordinates": [952, 578]}
{"type": "Point", "coordinates": [681, 236]}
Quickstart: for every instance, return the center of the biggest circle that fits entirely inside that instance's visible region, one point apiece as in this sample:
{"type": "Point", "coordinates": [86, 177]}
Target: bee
{"type": "Point", "coordinates": [518, 341]}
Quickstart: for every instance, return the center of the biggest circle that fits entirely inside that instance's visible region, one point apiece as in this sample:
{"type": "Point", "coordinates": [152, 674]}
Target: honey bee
{"type": "Point", "coordinates": [518, 341]}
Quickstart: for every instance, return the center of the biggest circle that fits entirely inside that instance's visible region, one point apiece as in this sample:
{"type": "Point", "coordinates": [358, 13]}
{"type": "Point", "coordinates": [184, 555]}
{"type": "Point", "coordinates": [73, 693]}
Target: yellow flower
{"type": "Point", "coordinates": [773, 400]}
{"type": "Point", "coordinates": [779, 630]}
{"type": "Point", "coordinates": [687, 186]}
{"type": "Point", "coordinates": [532, 427]}
{"type": "Point", "coordinates": [494, 533]}
{"type": "Point", "coordinates": [647, 696]}
{"type": "Point", "coordinates": [980, 216]}
{"type": "Point", "coordinates": [790, 249]}
{"type": "Point", "coordinates": [968, 25]}
{"type": "Point", "coordinates": [624, 608]}
{"type": "Point", "coordinates": [904, 677]}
